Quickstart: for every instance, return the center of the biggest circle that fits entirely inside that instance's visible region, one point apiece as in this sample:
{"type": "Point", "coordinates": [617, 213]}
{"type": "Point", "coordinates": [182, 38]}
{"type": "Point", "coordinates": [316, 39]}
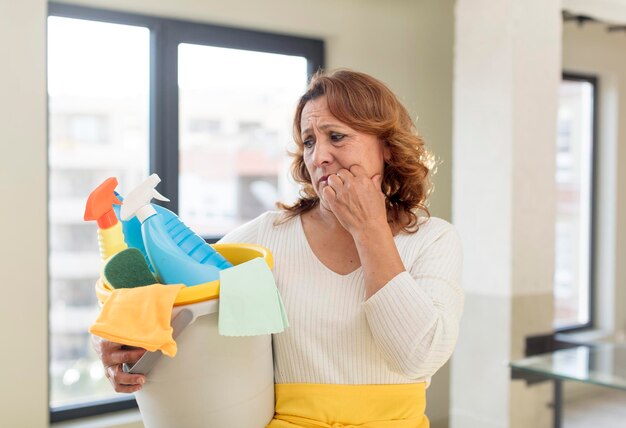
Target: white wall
{"type": "Point", "coordinates": [23, 168]}
{"type": "Point", "coordinates": [506, 75]}
{"type": "Point", "coordinates": [407, 44]}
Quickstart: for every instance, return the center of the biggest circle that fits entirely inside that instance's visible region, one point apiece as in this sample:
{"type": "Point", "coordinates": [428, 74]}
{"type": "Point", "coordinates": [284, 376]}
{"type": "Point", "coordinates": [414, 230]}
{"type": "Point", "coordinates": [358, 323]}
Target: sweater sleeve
{"type": "Point", "coordinates": [414, 318]}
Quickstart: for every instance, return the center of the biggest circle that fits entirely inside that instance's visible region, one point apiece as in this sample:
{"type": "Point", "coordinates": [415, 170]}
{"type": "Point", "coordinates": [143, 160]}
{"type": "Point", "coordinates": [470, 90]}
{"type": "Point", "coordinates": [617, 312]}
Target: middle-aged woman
{"type": "Point", "coordinates": [370, 281]}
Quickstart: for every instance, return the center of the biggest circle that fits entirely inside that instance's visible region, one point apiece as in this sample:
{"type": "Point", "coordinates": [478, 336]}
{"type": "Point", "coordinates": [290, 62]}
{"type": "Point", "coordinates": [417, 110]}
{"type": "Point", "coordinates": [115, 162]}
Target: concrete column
{"type": "Point", "coordinates": [507, 69]}
{"type": "Point", "coordinates": [23, 193]}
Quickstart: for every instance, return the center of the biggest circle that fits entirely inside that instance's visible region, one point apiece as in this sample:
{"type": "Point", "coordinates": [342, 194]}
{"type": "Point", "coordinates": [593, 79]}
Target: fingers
{"type": "Point", "coordinates": [335, 182]}
{"type": "Point", "coordinates": [330, 195]}
{"type": "Point", "coordinates": [356, 174]}
{"type": "Point", "coordinates": [378, 181]}
{"type": "Point", "coordinates": [114, 353]}
{"type": "Point", "coordinates": [351, 188]}
{"type": "Point", "coordinates": [339, 179]}
{"type": "Point", "coordinates": [124, 382]}
{"type": "Point", "coordinates": [113, 356]}
{"type": "Point", "coordinates": [96, 344]}
{"type": "Point", "coordinates": [344, 175]}
{"type": "Point", "coordinates": [358, 171]}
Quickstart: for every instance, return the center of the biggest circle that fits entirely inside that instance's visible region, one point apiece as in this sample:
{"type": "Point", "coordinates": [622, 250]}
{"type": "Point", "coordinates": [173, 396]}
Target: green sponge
{"type": "Point", "coordinates": [128, 269]}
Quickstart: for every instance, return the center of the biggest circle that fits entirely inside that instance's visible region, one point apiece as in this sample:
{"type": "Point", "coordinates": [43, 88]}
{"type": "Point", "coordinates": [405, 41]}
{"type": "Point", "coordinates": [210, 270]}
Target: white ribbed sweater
{"type": "Point", "coordinates": [402, 334]}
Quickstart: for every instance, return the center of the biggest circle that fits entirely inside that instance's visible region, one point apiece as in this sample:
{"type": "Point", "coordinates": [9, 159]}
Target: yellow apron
{"type": "Point", "coordinates": [306, 405]}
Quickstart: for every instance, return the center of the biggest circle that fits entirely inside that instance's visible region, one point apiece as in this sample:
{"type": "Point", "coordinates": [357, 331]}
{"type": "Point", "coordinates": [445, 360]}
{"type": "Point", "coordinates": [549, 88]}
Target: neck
{"type": "Point", "coordinates": [327, 218]}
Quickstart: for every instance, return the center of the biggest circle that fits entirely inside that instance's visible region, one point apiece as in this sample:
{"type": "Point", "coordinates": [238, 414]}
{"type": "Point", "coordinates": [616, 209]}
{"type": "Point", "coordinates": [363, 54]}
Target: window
{"type": "Point", "coordinates": [573, 278]}
{"type": "Point", "coordinates": [88, 129]}
{"type": "Point", "coordinates": [217, 180]}
{"type": "Point", "coordinates": [98, 80]}
{"type": "Point", "coordinates": [207, 108]}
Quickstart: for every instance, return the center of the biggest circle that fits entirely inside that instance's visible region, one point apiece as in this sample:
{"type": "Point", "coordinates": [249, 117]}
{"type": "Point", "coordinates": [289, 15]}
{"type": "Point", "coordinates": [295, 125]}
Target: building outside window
{"type": "Point", "coordinates": [98, 80]}
{"type": "Point", "coordinates": [227, 161]}
{"type": "Point", "coordinates": [573, 279]}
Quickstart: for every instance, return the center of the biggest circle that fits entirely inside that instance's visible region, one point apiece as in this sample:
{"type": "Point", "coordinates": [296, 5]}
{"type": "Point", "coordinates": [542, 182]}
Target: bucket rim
{"type": "Point", "coordinates": [234, 253]}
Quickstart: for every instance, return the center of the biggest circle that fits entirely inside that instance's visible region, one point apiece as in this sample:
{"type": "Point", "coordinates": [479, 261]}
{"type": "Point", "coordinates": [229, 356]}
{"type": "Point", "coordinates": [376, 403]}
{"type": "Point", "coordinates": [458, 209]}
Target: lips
{"type": "Point", "coordinates": [323, 180]}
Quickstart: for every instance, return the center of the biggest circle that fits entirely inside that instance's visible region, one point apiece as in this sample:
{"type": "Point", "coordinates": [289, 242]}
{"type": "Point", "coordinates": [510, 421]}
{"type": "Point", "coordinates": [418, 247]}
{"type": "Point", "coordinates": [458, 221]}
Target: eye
{"type": "Point", "coordinates": [336, 136]}
{"type": "Point", "coordinates": [308, 143]}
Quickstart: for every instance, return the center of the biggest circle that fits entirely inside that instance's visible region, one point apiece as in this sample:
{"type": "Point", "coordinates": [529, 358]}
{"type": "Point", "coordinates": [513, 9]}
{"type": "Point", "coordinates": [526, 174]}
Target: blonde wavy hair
{"type": "Point", "coordinates": [367, 105]}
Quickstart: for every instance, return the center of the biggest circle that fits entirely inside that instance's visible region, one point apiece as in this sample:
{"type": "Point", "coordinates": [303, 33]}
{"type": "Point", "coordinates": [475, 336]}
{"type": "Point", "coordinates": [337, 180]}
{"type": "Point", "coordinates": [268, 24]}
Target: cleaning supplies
{"type": "Point", "coordinates": [149, 359]}
{"type": "Point", "coordinates": [132, 230]}
{"type": "Point", "coordinates": [250, 303]}
{"type": "Point", "coordinates": [214, 380]}
{"type": "Point", "coordinates": [127, 269]}
{"type": "Point", "coordinates": [207, 364]}
{"type": "Point", "coordinates": [170, 262]}
{"type": "Point", "coordinates": [100, 208]}
{"type": "Point", "coordinates": [139, 317]}
{"type": "Point", "coordinates": [191, 243]}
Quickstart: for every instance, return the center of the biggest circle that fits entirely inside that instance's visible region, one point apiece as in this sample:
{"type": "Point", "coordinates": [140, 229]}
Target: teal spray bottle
{"type": "Point", "coordinates": [190, 242]}
{"type": "Point", "coordinates": [171, 263]}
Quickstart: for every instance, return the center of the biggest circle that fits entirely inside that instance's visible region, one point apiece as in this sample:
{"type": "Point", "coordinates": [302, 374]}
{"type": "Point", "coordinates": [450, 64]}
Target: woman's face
{"type": "Point", "coordinates": [331, 145]}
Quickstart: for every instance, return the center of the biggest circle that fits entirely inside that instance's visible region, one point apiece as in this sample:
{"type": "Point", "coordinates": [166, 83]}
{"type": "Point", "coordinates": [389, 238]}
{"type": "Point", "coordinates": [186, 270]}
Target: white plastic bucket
{"type": "Point", "coordinates": [213, 381]}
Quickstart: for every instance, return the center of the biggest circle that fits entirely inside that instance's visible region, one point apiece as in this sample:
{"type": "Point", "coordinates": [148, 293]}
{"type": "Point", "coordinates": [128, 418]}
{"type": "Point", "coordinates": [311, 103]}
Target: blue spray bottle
{"type": "Point", "coordinates": [171, 263]}
{"type": "Point", "coordinates": [190, 242]}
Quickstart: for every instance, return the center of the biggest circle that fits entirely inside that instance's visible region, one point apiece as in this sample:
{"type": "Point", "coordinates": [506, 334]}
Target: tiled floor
{"type": "Point", "coordinates": [605, 409]}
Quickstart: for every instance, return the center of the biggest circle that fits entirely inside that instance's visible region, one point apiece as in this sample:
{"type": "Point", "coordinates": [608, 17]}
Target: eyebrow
{"type": "Point", "coordinates": [323, 127]}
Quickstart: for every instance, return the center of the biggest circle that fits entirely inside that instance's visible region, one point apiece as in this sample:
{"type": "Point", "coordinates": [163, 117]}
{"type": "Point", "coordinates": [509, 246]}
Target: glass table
{"type": "Point", "coordinates": [598, 364]}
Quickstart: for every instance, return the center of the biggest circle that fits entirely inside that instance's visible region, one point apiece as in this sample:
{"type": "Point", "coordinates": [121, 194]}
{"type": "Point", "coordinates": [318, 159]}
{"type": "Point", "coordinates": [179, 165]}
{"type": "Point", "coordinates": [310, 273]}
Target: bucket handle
{"type": "Point", "coordinates": [149, 359]}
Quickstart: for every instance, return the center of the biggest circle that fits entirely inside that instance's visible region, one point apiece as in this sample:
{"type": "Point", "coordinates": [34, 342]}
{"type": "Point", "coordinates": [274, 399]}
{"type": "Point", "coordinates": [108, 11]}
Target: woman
{"type": "Point", "coordinates": [369, 280]}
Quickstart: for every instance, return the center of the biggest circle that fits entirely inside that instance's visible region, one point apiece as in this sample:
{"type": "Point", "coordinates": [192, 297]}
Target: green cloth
{"type": "Point", "coordinates": [250, 304]}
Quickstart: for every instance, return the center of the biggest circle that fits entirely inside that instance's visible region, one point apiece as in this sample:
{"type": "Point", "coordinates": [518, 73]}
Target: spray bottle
{"type": "Point", "coordinates": [100, 208]}
{"type": "Point", "coordinates": [170, 262]}
{"type": "Point", "coordinates": [132, 231]}
{"type": "Point", "coordinates": [188, 241]}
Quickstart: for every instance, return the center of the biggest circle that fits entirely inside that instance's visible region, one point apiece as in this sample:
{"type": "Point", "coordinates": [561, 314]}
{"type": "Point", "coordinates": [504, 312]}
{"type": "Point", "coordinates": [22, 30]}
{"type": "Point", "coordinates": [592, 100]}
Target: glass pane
{"type": "Point", "coordinates": [98, 103]}
{"type": "Point", "coordinates": [574, 175]}
{"type": "Point", "coordinates": [236, 111]}
{"type": "Point", "coordinates": [600, 364]}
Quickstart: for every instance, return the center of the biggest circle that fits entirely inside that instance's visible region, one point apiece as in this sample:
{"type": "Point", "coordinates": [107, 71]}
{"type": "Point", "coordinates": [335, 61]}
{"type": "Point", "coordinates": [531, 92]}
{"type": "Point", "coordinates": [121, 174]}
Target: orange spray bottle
{"type": "Point", "coordinates": [100, 208]}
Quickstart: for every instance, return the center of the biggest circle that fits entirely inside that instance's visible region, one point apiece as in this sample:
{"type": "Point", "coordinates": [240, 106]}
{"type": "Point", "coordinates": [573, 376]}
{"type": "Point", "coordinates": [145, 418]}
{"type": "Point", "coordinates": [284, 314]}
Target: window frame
{"type": "Point", "coordinates": [593, 80]}
{"type": "Point", "coordinates": [165, 36]}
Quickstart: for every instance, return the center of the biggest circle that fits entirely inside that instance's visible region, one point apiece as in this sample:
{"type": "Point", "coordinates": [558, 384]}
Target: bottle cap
{"type": "Point", "coordinates": [99, 205]}
{"type": "Point", "coordinates": [137, 202]}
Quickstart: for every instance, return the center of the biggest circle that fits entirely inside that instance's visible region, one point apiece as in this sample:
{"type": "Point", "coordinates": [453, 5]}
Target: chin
{"type": "Point", "coordinates": [324, 206]}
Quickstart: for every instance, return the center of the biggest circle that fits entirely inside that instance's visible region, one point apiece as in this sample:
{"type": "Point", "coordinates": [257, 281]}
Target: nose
{"type": "Point", "coordinates": [322, 153]}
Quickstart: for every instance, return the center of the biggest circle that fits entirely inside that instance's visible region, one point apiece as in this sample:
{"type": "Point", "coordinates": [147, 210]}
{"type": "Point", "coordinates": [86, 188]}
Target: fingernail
{"type": "Point", "coordinates": [141, 381]}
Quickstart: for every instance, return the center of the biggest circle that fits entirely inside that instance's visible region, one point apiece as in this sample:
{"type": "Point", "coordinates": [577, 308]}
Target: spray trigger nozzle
{"type": "Point", "coordinates": [137, 202]}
